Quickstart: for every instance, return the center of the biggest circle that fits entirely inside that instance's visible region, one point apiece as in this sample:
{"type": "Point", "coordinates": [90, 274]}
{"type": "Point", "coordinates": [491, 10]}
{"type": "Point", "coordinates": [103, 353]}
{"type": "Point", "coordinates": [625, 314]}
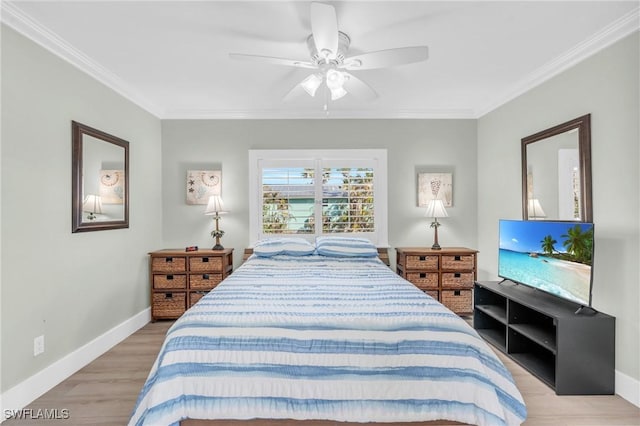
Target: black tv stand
{"type": "Point", "coordinates": [586, 310]}
{"type": "Point", "coordinates": [573, 354]}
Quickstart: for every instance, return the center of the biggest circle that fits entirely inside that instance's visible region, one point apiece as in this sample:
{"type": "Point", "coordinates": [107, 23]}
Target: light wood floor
{"type": "Point", "coordinates": [105, 391]}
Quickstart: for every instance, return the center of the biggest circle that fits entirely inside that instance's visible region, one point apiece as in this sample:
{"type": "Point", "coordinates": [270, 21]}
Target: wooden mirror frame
{"type": "Point", "coordinates": [583, 125]}
{"type": "Point", "coordinates": [78, 131]}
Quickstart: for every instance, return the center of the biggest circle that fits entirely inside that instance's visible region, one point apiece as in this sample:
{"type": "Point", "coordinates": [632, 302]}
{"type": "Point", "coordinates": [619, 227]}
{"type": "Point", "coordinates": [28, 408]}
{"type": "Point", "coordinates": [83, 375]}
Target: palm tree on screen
{"type": "Point", "coordinates": [578, 243]}
{"type": "Point", "coordinates": [548, 244]}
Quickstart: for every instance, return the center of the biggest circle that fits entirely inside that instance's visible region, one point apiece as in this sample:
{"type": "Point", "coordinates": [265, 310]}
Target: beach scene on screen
{"type": "Point", "coordinates": [555, 257]}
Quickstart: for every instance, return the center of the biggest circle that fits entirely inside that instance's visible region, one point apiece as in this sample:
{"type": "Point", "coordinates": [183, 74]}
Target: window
{"type": "Point", "coordinates": [288, 200]}
{"type": "Point", "coordinates": [347, 200]}
{"type": "Point", "coordinates": [319, 192]}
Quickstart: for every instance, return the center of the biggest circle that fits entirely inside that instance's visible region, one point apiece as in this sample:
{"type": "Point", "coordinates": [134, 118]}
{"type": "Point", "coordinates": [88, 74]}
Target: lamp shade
{"type": "Point", "coordinates": [92, 204]}
{"type": "Point", "coordinates": [534, 209]}
{"type": "Point", "coordinates": [335, 79]}
{"type": "Point", "coordinates": [335, 83]}
{"type": "Point", "coordinates": [311, 83]}
{"type": "Point", "coordinates": [435, 208]}
{"type": "Point", "coordinates": [215, 205]}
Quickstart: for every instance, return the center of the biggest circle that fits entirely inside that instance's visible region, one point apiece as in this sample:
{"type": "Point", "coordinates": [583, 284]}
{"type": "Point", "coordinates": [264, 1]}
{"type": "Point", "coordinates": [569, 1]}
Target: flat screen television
{"type": "Point", "coordinates": [554, 257]}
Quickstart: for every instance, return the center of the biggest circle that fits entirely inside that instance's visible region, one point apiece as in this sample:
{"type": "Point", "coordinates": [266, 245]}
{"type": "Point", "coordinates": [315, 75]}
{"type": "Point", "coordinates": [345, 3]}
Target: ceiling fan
{"type": "Point", "coordinates": [328, 51]}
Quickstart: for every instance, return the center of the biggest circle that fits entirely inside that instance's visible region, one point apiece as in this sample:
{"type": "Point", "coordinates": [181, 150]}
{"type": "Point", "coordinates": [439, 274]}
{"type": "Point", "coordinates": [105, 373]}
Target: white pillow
{"type": "Point", "coordinates": [291, 246]}
{"type": "Point", "coordinates": [345, 247]}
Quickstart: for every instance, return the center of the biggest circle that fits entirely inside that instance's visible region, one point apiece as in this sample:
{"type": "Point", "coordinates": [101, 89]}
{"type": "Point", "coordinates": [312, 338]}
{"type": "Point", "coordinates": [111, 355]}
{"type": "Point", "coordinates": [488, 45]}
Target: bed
{"type": "Point", "coordinates": [324, 337]}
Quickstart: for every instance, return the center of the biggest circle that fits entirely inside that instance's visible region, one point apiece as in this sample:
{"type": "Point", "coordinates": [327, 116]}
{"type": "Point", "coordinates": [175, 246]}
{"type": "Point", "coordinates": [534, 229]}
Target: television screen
{"type": "Point", "coordinates": [554, 257]}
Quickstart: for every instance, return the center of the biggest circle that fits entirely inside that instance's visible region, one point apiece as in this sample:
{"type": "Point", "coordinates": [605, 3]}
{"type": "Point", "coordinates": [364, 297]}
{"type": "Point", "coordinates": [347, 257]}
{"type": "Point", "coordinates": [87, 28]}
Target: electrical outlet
{"type": "Point", "coordinates": [38, 345]}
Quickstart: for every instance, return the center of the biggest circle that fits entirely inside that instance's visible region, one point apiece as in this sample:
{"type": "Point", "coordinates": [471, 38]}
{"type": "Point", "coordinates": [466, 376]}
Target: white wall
{"type": "Point", "coordinates": [70, 287]}
{"type": "Point", "coordinates": [605, 85]}
{"type": "Point", "coordinates": [413, 146]}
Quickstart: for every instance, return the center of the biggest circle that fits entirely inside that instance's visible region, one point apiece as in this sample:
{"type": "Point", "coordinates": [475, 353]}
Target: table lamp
{"type": "Point", "coordinates": [435, 209]}
{"type": "Point", "coordinates": [92, 205]}
{"type": "Point", "coordinates": [215, 207]}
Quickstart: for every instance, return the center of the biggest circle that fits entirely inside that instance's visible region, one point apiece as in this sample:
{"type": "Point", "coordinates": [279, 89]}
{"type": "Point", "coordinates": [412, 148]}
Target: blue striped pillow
{"type": "Point", "coordinates": [345, 247]}
{"type": "Point", "coordinates": [283, 245]}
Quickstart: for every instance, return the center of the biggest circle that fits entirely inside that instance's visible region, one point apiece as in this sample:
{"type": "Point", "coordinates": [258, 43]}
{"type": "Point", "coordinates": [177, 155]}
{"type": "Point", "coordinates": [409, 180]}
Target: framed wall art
{"type": "Point", "coordinates": [435, 186]}
{"type": "Point", "coordinates": [201, 184]}
{"type": "Point", "coordinates": [111, 189]}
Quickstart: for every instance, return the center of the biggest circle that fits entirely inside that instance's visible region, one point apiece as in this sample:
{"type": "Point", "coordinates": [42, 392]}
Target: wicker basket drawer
{"type": "Point", "coordinates": [424, 280]}
{"type": "Point", "coordinates": [205, 264]}
{"type": "Point", "coordinates": [432, 293]}
{"type": "Point", "coordinates": [204, 281]}
{"type": "Point", "coordinates": [457, 279]}
{"type": "Point", "coordinates": [168, 304]}
{"type": "Point", "coordinates": [459, 301]}
{"type": "Point", "coordinates": [421, 262]}
{"type": "Point", "coordinates": [169, 281]}
{"type": "Point", "coordinates": [195, 296]}
{"type": "Point", "coordinates": [458, 263]}
{"type": "Point", "coordinates": [169, 264]}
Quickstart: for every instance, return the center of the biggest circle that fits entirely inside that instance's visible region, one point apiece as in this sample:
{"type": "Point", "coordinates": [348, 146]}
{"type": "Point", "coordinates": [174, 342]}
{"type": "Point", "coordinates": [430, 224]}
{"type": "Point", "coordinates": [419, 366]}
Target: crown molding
{"type": "Point", "coordinates": [16, 18]}
{"type": "Point", "coordinates": [610, 34]}
{"type": "Point", "coordinates": [265, 114]}
{"type": "Point", "coordinates": [20, 21]}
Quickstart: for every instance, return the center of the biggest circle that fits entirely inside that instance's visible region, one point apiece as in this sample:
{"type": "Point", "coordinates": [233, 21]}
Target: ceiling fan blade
{"type": "Point", "coordinates": [359, 88]}
{"type": "Point", "coordinates": [386, 58]}
{"type": "Point", "coordinates": [324, 27]}
{"type": "Point", "coordinates": [272, 60]}
{"type": "Point", "coordinates": [295, 92]}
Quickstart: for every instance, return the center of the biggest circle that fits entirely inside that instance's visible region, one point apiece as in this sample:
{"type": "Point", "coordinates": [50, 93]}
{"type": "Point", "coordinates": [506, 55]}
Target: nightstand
{"type": "Point", "coordinates": [447, 274]}
{"type": "Point", "coordinates": [178, 279]}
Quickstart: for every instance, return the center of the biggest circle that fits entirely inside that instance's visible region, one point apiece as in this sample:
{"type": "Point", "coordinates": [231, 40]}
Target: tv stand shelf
{"type": "Point", "coordinates": [573, 353]}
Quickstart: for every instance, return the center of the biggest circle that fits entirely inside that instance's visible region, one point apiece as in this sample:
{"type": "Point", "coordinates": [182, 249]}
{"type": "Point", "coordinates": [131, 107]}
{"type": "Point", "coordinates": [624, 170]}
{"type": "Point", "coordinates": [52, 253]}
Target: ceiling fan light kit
{"type": "Point", "coordinates": [311, 83]}
{"type": "Point", "coordinates": [335, 83]}
{"type": "Point", "coordinates": [328, 49]}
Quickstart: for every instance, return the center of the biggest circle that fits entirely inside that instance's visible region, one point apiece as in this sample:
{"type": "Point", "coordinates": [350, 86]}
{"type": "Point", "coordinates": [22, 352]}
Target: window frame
{"type": "Point", "coordinates": [374, 158]}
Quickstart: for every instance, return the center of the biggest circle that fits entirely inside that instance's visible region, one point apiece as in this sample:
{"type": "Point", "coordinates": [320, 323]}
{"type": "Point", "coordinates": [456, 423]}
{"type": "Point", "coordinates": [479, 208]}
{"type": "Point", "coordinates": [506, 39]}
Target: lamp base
{"type": "Point", "coordinates": [218, 247]}
{"type": "Point", "coordinates": [435, 245]}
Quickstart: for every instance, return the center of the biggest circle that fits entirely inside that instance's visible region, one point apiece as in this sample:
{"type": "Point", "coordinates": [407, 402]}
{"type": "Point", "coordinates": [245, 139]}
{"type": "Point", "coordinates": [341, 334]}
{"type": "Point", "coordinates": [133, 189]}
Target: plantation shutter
{"type": "Point", "coordinates": [347, 200]}
{"type": "Point", "coordinates": [318, 192]}
{"type": "Point", "coordinates": [288, 195]}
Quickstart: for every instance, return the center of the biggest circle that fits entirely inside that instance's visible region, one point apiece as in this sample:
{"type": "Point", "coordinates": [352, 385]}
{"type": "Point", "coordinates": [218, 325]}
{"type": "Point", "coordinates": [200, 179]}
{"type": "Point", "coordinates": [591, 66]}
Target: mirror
{"type": "Point", "coordinates": [556, 172]}
{"type": "Point", "coordinates": [100, 191]}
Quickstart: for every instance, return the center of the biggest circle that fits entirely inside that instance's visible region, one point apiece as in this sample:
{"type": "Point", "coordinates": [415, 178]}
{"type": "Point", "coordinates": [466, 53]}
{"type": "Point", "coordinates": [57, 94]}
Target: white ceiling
{"type": "Point", "coordinates": [172, 57]}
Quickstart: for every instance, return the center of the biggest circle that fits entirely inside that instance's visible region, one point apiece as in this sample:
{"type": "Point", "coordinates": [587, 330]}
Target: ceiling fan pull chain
{"type": "Point", "coordinates": [326, 102]}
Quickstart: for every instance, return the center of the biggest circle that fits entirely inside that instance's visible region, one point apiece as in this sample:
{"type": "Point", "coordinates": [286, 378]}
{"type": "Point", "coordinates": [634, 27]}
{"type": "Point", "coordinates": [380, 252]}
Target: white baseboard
{"type": "Point", "coordinates": [35, 386]}
{"type": "Point", "coordinates": [628, 388]}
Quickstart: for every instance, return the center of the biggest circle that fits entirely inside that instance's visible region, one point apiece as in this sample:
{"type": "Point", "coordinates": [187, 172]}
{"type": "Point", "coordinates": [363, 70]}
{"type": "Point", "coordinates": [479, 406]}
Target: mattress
{"type": "Point", "coordinates": [316, 337]}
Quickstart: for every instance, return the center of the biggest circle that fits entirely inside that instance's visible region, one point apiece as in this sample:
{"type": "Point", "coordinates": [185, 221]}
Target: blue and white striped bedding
{"type": "Point", "coordinates": [315, 337]}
